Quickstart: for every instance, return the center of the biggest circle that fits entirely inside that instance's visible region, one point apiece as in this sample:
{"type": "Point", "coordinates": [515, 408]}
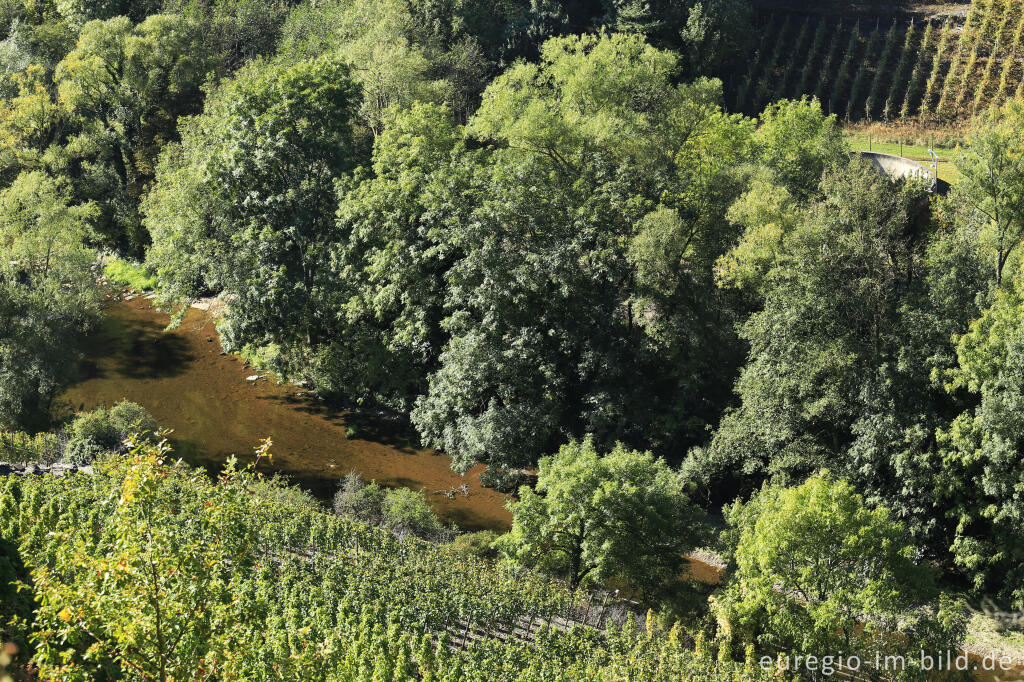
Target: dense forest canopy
{"type": "Point", "coordinates": [625, 243]}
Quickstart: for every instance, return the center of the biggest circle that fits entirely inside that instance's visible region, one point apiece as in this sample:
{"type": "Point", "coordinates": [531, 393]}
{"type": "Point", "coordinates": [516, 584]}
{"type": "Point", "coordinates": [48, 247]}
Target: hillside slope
{"type": "Point", "coordinates": [885, 61]}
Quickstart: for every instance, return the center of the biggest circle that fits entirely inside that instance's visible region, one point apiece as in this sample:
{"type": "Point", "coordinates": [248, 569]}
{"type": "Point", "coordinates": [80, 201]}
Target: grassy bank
{"type": "Point", "coordinates": [132, 275]}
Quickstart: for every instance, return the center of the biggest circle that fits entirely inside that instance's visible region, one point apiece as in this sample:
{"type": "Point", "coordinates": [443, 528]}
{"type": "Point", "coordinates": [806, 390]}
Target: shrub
{"type": "Point", "coordinates": [401, 511]}
{"type": "Point", "coordinates": [479, 544]}
{"type": "Point", "coordinates": [102, 429]}
{"type": "Point", "coordinates": [407, 512]}
{"type": "Point", "coordinates": [356, 497]}
{"type": "Point", "coordinates": [82, 451]}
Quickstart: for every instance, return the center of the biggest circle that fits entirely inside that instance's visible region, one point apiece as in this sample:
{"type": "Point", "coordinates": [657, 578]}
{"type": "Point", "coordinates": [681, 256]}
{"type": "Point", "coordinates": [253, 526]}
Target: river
{"type": "Point", "coordinates": [184, 380]}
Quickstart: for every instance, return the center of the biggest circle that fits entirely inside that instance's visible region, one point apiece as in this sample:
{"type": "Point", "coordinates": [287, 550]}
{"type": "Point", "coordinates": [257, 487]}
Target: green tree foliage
{"type": "Point", "coordinates": [584, 246]}
{"type": "Point", "coordinates": [377, 36]}
{"type": "Point", "coordinates": [429, 50]}
{"type": "Point", "coordinates": [246, 203]}
{"type": "Point", "coordinates": [833, 289]}
{"type": "Point", "coordinates": [234, 31]}
{"type": "Point", "coordinates": [980, 449]}
{"type": "Point", "coordinates": [125, 87]}
{"type": "Point", "coordinates": [622, 516]}
{"type": "Point", "coordinates": [396, 226]}
{"type": "Point", "coordinates": [713, 31]}
{"type": "Point", "coordinates": [47, 295]}
{"type": "Point", "coordinates": [549, 316]}
{"type": "Point", "coordinates": [818, 571]}
{"type": "Point", "coordinates": [79, 12]}
{"type": "Point", "coordinates": [716, 33]}
{"type": "Point", "coordinates": [797, 142]}
{"type": "Point", "coordinates": [34, 33]}
{"type": "Point", "coordinates": [988, 198]}
{"type": "Point", "coordinates": [31, 127]}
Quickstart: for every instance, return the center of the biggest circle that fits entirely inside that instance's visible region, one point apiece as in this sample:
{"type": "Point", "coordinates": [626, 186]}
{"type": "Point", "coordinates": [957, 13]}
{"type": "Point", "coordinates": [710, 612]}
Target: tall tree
{"type": "Point", "coordinates": [797, 142]}
{"type": "Point", "coordinates": [818, 572]}
{"type": "Point", "coordinates": [125, 86]}
{"type": "Point", "coordinates": [246, 205]}
{"type": "Point", "coordinates": [980, 483]}
{"type": "Point", "coordinates": [831, 326]}
{"type": "Point", "coordinates": [48, 296]}
{"type": "Point", "coordinates": [990, 193]}
{"type": "Point", "coordinates": [396, 221]}
{"type": "Point", "coordinates": [619, 516]}
{"type": "Point", "coordinates": [544, 307]}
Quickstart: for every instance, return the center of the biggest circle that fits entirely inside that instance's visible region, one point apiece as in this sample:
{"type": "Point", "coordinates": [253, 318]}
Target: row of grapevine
{"type": "Point", "coordinates": [788, 72]}
{"type": "Point", "coordinates": [762, 94]}
{"type": "Point", "coordinates": [989, 67]}
{"type": "Point", "coordinates": [808, 72]}
{"type": "Point", "coordinates": [883, 71]}
{"type": "Point", "coordinates": [1011, 65]}
{"type": "Point", "coordinates": [986, 39]}
{"type": "Point", "coordinates": [825, 75]}
{"type": "Point", "coordinates": [863, 72]}
{"type": "Point", "coordinates": [891, 70]}
{"type": "Point", "coordinates": [849, 56]}
{"type": "Point", "coordinates": [936, 73]}
{"type": "Point", "coordinates": [901, 74]}
{"type": "Point", "coordinates": [743, 91]}
{"type": "Point", "coordinates": [966, 52]}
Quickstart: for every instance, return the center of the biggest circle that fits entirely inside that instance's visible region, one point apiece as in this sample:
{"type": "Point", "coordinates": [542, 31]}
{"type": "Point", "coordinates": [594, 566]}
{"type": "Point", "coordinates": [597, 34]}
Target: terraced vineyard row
{"type": "Point", "coordinates": [889, 70]}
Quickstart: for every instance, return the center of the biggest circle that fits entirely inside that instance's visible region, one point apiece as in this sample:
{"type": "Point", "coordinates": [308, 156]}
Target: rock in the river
{"type": "Point", "coordinates": [254, 377]}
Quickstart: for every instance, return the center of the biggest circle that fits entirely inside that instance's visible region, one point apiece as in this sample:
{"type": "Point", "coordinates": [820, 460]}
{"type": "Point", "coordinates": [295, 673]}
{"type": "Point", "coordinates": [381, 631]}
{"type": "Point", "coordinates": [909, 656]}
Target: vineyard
{"type": "Point", "coordinates": [885, 69]}
{"type": "Point", "coordinates": [256, 581]}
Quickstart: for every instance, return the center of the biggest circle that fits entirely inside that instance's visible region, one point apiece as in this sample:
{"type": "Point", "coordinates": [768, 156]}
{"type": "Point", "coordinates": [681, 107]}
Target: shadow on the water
{"type": "Point", "coordinates": [390, 431]}
{"type": "Point", "coordinates": [140, 350]}
{"type": "Point", "coordinates": [152, 354]}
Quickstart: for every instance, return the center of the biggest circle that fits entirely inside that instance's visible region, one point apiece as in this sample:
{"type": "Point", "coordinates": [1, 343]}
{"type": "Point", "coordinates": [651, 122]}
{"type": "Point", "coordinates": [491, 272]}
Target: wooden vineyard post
{"type": "Point", "coordinates": [465, 630]}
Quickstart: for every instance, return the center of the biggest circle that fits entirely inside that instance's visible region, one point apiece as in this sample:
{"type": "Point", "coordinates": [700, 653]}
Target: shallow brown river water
{"type": "Point", "coordinates": [185, 382]}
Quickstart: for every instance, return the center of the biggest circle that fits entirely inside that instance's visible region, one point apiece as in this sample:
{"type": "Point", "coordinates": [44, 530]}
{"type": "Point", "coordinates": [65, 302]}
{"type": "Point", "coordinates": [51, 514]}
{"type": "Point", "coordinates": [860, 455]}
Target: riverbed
{"type": "Point", "coordinates": [183, 378]}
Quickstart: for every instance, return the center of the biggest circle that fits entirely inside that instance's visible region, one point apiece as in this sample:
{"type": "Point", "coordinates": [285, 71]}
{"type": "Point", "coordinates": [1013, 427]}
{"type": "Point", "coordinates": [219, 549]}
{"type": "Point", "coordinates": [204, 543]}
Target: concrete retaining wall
{"type": "Point", "coordinates": [898, 167]}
